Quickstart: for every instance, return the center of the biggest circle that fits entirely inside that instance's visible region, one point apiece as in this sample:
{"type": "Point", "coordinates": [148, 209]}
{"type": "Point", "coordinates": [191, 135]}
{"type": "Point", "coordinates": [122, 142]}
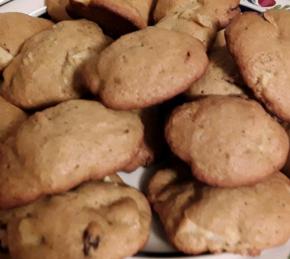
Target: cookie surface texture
{"type": "Point", "coordinates": [232, 141]}
{"type": "Point", "coordinates": [60, 147]}
{"type": "Point", "coordinates": [218, 11]}
{"type": "Point", "coordinates": [222, 75]}
{"type": "Point", "coordinates": [99, 213]}
{"type": "Point", "coordinates": [148, 67]}
{"type": "Point", "coordinates": [11, 118]}
{"type": "Point", "coordinates": [15, 29]}
{"type": "Point", "coordinates": [199, 219]}
{"type": "Point", "coordinates": [265, 62]}
{"type": "Point", "coordinates": [46, 70]}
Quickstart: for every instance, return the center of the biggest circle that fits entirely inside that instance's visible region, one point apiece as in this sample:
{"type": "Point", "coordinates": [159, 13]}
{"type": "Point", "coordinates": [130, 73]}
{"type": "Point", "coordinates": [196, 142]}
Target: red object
{"type": "Point", "coordinates": [267, 3]}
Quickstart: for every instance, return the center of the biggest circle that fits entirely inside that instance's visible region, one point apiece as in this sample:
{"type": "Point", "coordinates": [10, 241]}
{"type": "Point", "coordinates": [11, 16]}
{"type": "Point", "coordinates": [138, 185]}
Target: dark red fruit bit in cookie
{"type": "Point", "coordinates": [91, 239]}
{"type": "Point", "coordinates": [267, 3]}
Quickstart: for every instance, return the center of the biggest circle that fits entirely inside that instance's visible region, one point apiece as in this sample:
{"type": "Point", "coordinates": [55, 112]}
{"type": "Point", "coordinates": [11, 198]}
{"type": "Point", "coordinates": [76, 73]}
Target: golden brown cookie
{"type": "Point", "coordinates": [46, 70]}
{"type": "Point", "coordinates": [10, 118]}
{"type": "Point", "coordinates": [149, 67]}
{"type": "Point", "coordinates": [15, 29]}
{"type": "Point", "coordinates": [200, 19]}
{"type": "Point", "coordinates": [260, 46]}
{"type": "Point", "coordinates": [199, 219]}
{"type": "Point", "coordinates": [222, 76]}
{"type": "Point", "coordinates": [232, 141]}
{"type": "Point", "coordinates": [60, 147]}
{"type": "Point", "coordinates": [221, 11]}
{"type": "Point", "coordinates": [84, 223]}
{"type": "Point", "coordinates": [57, 9]}
{"type": "Point", "coordinates": [178, 130]}
{"type": "Point", "coordinates": [116, 17]}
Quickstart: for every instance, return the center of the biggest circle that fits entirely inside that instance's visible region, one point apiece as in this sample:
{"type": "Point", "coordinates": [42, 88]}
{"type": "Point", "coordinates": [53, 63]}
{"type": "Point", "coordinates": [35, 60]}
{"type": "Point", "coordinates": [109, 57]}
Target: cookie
{"type": "Point", "coordinates": [57, 9]}
{"type": "Point", "coordinates": [222, 76]}
{"type": "Point", "coordinates": [199, 218]}
{"type": "Point", "coordinates": [73, 142]}
{"type": "Point", "coordinates": [232, 141]}
{"type": "Point", "coordinates": [101, 216]}
{"type": "Point", "coordinates": [199, 19]}
{"type": "Point", "coordinates": [148, 67]}
{"type": "Point", "coordinates": [15, 29]}
{"type": "Point", "coordinates": [221, 12]}
{"type": "Point", "coordinates": [178, 130]}
{"type": "Point", "coordinates": [260, 47]}
{"type": "Point", "coordinates": [46, 70]}
{"type": "Point", "coordinates": [11, 118]}
{"type": "Point", "coordinates": [116, 17]}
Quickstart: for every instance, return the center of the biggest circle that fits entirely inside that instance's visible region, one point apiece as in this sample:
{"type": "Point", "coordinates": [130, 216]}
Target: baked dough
{"type": "Point", "coordinates": [11, 118]}
{"type": "Point", "coordinates": [199, 19]}
{"type": "Point", "coordinates": [61, 147]}
{"type": "Point", "coordinates": [199, 218]}
{"type": "Point", "coordinates": [260, 47]}
{"type": "Point", "coordinates": [84, 223]}
{"type": "Point", "coordinates": [222, 76]}
{"type": "Point", "coordinates": [148, 67]}
{"type": "Point", "coordinates": [228, 141]}
{"type": "Point", "coordinates": [15, 29]}
{"type": "Point", "coordinates": [46, 71]}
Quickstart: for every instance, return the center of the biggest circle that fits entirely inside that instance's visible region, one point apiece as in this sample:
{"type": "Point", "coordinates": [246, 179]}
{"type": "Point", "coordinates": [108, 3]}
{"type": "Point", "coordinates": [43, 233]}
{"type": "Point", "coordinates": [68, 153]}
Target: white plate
{"type": "Point", "coordinates": [32, 7]}
{"type": "Point", "coordinates": [263, 5]}
{"type": "Point", "coordinates": [156, 246]}
{"type": "Point", "coordinates": [3, 2]}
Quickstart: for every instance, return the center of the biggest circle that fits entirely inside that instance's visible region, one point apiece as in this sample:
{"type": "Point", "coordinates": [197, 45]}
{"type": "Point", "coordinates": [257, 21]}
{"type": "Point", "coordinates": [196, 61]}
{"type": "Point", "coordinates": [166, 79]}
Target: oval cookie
{"type": "Point", "coordinates": [97, 213]}
{"type": "Point", "coordinates": [149, 67]}
{"type": "Point", "coordinates": [60, 147]}
{"type": "Point", "coordinates": [46, 70]}
{"type": "Point", "coordinates": [264, 62]}
{"type": "Point", "coordinates": [235, 142]}
{"type": "Point", "coordinates": [200, 219]}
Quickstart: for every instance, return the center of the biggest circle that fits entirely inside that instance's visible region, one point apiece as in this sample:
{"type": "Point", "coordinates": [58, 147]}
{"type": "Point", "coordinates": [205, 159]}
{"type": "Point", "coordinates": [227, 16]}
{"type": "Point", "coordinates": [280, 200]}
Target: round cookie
{"type": "Point", "coordinates": [222, 75]}
{"type": "Point", "coordinates": [235, 142]}
{"type": "Point", "coordinates": [101, 216]}
{"type": "Point", "coordinates": [116, 17]}
{"type": "Point", "coordinates": [11, 118]}
{"type": "Point", "coordinates": [148, 67]}
{"type": "Point", "coordinates": [260, 47]}
{"type": "Point", "coordinates": [46, 70]}
{"type": "Point", "coordinates": [220, 12]}
{"type": "Point", "coordinates": [200, 219]}
{"type": "Point", "coordinates": [57, 9]}
{"type": "Point", "coordinates": [15, 29]}
{"type": "Point", "coordinates": [60, 147]}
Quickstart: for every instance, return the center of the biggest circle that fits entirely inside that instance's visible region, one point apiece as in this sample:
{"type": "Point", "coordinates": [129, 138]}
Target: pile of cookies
{"type": "Point", "coordinates": [100, 88]}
